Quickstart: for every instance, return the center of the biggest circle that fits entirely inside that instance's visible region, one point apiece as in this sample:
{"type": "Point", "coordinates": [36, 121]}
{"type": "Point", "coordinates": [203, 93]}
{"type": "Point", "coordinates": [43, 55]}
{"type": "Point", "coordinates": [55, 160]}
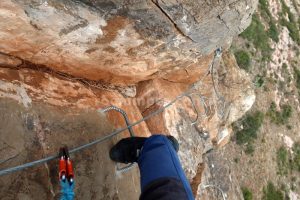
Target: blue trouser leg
{"type": "Point", "coordinates": [67, 190]}
{"type": "Point", "coordinates": [158, 159]}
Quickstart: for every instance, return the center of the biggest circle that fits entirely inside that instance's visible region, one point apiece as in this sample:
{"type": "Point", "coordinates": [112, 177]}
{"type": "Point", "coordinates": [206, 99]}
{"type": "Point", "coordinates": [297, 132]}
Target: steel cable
{"type": "Point", "coordinates": [102, 139]}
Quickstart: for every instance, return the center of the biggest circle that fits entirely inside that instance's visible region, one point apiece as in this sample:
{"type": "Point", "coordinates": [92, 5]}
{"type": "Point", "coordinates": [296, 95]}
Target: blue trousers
{"type": "Point", "coordinates": [162, 176]}
{"type": "Point", "coordinates": [159, 161]}
{"type": "Point", "coordinates": [67, 190]}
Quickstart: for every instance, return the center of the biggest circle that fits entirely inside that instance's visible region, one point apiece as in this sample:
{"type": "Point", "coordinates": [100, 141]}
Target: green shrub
{"type": "Point", "coordinates": [279, 118]}
{"type": "Point", "coordinates": [273, 32]}
{"type": "Point", "coordinates": [271, 193]}
{"type": "Point", "coordinates": [293, 30]}
{"type": "Point", "coordinates": [285, 72]}
{"type": "Point", "coordinates": [258, 81]}
{"type": "Point", "coordinates": [297, 77]}
{"type": "Point", "coordinates": [258, 36]}
{"type": "Point", "coordinates": [286, 112]}
{"type": "Point", "coordinates": [251, 124]}
{"type": "Point", "coordinates": [283, 162]}
{"type": "Point", "coordinates": [243, 59]}
{"type": "Point", "coordinates": [296, 156]}
{"type": "Point", "coordinates": [284, 66]}
{"type": "Point", "coordinates": [249, 148]}
{"type": "Point", "coordinates": [286, 161]}
{"type": "Point", "coordinates": [247, 194]}
{"type": "Point", "coordinates": [266, 14]}
{"type": "Point", "coordinates": [291, 23]}
{"type": "Point", "coordinates": [263, 4]}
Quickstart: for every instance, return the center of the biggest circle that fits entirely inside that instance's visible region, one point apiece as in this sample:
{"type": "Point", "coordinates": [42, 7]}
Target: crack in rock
{"type": "Point", "coordinates": [223, 21]}
{"type": "Point", "coordinates": [171, 20]}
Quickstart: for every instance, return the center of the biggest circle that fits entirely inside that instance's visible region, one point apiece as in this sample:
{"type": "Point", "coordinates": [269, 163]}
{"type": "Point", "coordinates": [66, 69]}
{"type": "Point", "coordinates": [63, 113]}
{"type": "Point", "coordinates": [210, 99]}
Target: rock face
{"type": "Point", "coordinates": [137, 55]}
{"type": "Point", "coordinates": [120, 42]}
{"type": "Point", "coordinates": [31, 133]}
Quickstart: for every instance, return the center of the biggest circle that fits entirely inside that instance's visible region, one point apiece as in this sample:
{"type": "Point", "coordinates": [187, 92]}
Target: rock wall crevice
{"type": "Point", "coordinates": [164, 11]}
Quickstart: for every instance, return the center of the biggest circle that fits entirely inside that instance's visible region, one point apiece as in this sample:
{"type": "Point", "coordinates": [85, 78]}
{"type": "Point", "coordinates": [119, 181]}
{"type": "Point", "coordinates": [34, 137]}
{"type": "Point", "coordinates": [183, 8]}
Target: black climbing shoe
{"type": "Point", "coordinates": [127, 150]}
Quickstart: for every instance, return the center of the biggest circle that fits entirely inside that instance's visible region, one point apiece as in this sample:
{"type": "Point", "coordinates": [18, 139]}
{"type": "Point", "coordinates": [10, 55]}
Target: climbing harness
{"type": "Point", "coordinates": [114, 133]}
{"type": "Point", "coordinates": [66, 175]}
{"type": "Point", "coordinates": [65, 166]}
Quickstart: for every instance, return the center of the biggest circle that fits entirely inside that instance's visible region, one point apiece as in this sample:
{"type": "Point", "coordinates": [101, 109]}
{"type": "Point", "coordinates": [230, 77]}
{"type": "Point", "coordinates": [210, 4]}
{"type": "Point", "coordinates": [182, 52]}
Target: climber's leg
{"type": "Point", "coordinates": [162, 176]}
{"type": "Point", "coordinates": [67, 190]}
{"type": "Point", "coordinates": [128, 149]}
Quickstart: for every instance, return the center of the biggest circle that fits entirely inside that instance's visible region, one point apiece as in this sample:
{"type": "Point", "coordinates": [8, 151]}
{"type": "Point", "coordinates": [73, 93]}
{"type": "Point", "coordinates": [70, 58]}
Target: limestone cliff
{"type": "Point", "coordinates": [138, 55]}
